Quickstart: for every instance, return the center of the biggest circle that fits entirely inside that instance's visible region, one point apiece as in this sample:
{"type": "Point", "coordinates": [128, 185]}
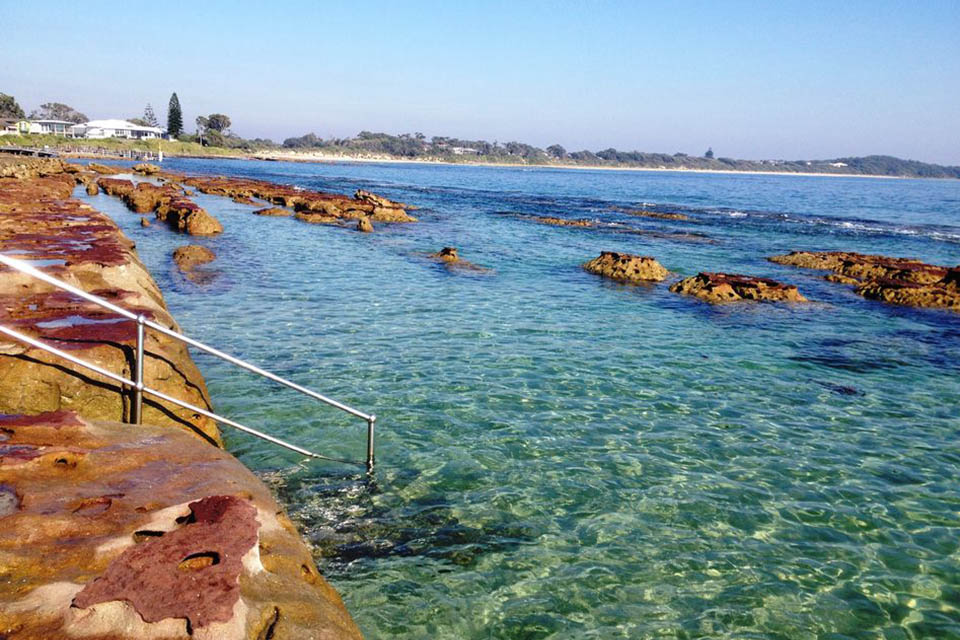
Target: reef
{"type": "Point", "coordinates": [172, 539]}
{"type": "Point", "coordinates": [564, 222]}
{"type": "Point", "coordinates": [41, 223]}
{"type": "Point", "coordinates": [643, 213]}
{"type": "Point", "coordinates": [728, 287]}
{"type": "Point", "coordinates": [904, 281]}
{"type": "Point", "coordinates": [625, 267]}
{"type": "Point", "coordinates": [168, 203]}
{"type": "Point", "coordinates": [311, 206]}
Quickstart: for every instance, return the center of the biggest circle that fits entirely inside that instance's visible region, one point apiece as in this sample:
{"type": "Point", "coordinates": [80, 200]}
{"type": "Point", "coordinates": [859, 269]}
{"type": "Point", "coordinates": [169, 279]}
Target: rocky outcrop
{"type": "Point", "coordinates": [14, 166]}
{"type": "Point", "coordinates": [726, 287]}
{"type": "Point", "coordinates": [182, 215]}
{"type": "Point", "coordinates": [104, 169]}
{"type": "Point", "coordinates": [563, 222]}
{"type": "Point", "coordinates": [643, 213]}
{"type": "Point", "coordinates": [364, 225]}
{"type": "Point", "coordinates": [905, 281]}
{"type": "Point", "coordinates": [273, 211]}
{"type": "Point", "coordinates": [168, 204]}
{"type": "Point", "coordinates": [626, 267]}
{"type": "Point", "coordinates": [146, 169]}
{"type": "Point", "coordinates": [447, 254]}
{"type": "Point", "coordinates": [115, 186]}
{"type": "Point", "coordinates": [313, 206]}
{"type": "Point", "coordinates": [39, 222]}
{"type": "Point", "coordinates": [171, 539]}
{"type": "Point", "coordinates": [190, 256]}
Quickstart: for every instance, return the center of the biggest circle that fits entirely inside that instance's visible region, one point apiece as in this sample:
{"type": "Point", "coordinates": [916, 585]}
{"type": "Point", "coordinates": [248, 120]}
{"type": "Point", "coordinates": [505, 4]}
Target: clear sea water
{"type": "Point", "coordinates": [560, 456]}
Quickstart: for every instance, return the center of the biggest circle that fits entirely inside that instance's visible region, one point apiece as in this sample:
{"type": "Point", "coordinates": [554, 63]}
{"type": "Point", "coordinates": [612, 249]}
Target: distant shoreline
{"type": "Point", "coordinates": [324, 158]}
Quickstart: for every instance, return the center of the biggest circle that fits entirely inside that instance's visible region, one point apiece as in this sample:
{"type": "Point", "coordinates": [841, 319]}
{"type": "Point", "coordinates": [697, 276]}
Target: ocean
{"type": "Point", "coordinates": [563, 456]}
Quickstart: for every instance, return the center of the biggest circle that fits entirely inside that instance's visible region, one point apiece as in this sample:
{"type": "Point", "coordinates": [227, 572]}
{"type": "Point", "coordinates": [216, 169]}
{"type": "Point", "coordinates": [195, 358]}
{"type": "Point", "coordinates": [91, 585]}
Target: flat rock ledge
{"type": "Point", "coordinates": [42, 224]}
{"type": "Point", "coordinates": [625, 267]}
{"type": "Point", "coordinates": [728, 287]}
{"type": "Point", "coordinates": [108, 531]}
{"type": "Point", "coordinates": [904, 281]}
{"type": "Point", "coordinates": [168, 203]}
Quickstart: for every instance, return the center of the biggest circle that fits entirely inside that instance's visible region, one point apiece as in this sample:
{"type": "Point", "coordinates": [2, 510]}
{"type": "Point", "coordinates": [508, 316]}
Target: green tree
{"type": "Point", "coordinates": [174, 117]}
{"type": "Point", "coordinates": [9, 107]}
{"type": "Point", "coordinates": [709, 153]}
{"type": "Point", "coordinates": [139, 121]}
{"type": "Point", "coordinates": [557, 151]}
{"type": "Point", "coordinates": [218, 122]}
{"type": "Point", "coordinates": [58, 111]}
{"type": "Point", "coordinates": [150, 117]}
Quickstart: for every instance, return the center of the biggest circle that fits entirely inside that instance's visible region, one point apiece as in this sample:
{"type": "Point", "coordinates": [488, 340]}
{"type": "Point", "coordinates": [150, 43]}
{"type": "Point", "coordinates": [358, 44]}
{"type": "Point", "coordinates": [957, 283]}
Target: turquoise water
{"type": "Point", "coordinates": [560, 456]}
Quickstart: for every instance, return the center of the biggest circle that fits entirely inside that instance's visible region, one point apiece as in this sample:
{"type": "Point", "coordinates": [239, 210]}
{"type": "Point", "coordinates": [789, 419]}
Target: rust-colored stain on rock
{"type": "Point", "coordinates": [191, 572]}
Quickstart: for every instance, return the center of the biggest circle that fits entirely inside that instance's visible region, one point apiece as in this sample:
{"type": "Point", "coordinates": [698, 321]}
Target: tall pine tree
{"type": "Point", "coordinates": [150, 117]}
{"type": "Point", "coordinates": [174, 117]}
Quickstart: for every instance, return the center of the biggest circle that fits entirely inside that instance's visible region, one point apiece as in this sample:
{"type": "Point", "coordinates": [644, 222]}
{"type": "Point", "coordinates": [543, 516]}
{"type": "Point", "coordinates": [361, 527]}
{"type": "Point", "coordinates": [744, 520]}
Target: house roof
{"type": "Point", "coordinates": [46, 121]}
{"type": "Point", "coordinates": [117, 124]}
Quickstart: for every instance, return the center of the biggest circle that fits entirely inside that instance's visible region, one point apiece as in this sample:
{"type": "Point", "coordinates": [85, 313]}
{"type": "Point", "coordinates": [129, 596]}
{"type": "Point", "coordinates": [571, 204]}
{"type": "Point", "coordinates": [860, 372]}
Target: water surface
{"type": "Point", "coordinates": [561, 456]}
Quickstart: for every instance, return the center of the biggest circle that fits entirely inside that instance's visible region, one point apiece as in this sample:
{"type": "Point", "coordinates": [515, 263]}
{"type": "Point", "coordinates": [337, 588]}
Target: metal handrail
{"type": "Point", "coordinates": [140, 388]}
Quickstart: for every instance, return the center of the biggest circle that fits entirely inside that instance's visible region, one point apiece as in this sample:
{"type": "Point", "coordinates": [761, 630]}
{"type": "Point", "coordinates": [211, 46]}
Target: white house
{"type": "Point", "coordinates": [114, 129]}
{"type": "Point", "coordinates": [55, 127]}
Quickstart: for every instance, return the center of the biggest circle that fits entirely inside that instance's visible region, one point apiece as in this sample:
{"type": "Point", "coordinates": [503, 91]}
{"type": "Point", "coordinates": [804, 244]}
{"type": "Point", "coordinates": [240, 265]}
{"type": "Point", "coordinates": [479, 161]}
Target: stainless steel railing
{"type": "Point", "coordinates": [138, 386]}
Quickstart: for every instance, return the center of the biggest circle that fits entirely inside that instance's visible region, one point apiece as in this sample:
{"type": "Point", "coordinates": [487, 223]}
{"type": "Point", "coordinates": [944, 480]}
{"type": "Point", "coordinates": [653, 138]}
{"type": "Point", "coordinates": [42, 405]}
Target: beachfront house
{"type": "Point", "coordinates": [99, 129]}
{"type": "Point", "coordinates": [48, 127]}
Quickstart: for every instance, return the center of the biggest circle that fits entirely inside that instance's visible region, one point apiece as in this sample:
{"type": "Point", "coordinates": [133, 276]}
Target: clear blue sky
{"type": "Point", "coordinates": [751, 79]}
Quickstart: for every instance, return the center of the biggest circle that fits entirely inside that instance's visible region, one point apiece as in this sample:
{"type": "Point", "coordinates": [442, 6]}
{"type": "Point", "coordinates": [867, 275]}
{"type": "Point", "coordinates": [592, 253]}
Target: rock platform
{"type": "Point", "coordinates": [728, 287]}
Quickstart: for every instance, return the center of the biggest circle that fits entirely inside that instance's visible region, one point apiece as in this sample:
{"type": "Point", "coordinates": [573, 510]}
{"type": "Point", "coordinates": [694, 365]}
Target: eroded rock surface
{"type": "Point", "coordinates": [905, 281]}
{"type": "Point", "coordinates": [168, 203]}
{"type": "Point", "coordinates": [626, 267]}
{"type": "Point", "coordinates": [564, 222]}
{"type": "Point", "coordinates": [273, 211]}
{"type": "Point", "coordinates": [727, 287]}
{"type": "Point", "coordinates": [172, 538]}
{"type": "Point", "coordinates": [41, 223]}
{"type": "Point", "coordinates": [191, 256]}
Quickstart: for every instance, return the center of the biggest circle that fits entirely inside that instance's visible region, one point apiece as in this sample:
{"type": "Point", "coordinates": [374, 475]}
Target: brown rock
{"type": "Point", "coordinates": [146, 169]}
{"type": "Point", "coordinates": [317, 218]}
{"type": "Point", "coordinates": [40, 221]}
{"type": "Point", "coordinates": [144, 532]}
{"type": "Point", "coordinates": [104, 169]}
{"type": "Point", "coordinates": [724, 287]}
{"type": "Point", "coordinates": [92, 189]}
{"type": "Point", "coordinates": [653, 214]}
{"type": "Point", "coordinates": [192, 255]}
{"type": "Point", "coordinates": [626, 267]}
{"type": "Point", "coordinates": [115, 186]}
{"type": "Point", "coordinates": [243, 200]}
{"type": "Point", "coordinates": [273, 211]}
{"type": "Point", "coordinates": [904, 281]}
{"type": "Point", "coordinates": [183, 215]}
{"type": "Point", "coordinates": [144, 222]}
{"type": "Point", "coordinates": [563, 222]}
{"type": "Point", "coordinates": [364, 225]}
{"type": "Point", "coordinates": [447, 254]}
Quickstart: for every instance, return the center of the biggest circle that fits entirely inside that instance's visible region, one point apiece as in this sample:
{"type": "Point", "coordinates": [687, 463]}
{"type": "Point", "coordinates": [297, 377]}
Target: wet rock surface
{"type": "Point", "coordinates": [644, 213]}
{"type": "Point", "coordinates": [904, 281]}
{"type": "Point", "coordinates": [563, 222]}
{"type": "Point", "coordinates": [189, 257]}
{"type": "Point", "coordinates": [172, 539]}
{"type": "Point", "coordinates": [168, 203]}
{"type": "Point", "coordinates": [41, 223]}
{"type": "Point", "coordinates": [625, 267]}
{"type": "Point", "coordinates": [727, 287]}
{"type": "Point", "coordinates": [447, 254]}
{"type": "Point", "coordinates": [273, 211]}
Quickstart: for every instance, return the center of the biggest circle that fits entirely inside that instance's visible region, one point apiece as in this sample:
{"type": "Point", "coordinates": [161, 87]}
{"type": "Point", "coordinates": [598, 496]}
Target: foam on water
{"type": "Point", "coordinates": [564, 456]}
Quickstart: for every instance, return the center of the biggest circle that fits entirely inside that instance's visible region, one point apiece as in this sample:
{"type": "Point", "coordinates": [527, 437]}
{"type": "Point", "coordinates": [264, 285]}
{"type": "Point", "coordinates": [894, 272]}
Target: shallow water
{"type": "Point", "coordinates": [561, 456]}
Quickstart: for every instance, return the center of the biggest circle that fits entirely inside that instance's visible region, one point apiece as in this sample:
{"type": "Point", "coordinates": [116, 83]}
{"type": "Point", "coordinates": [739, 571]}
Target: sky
{"type": "Point", "coordinates": [752, 80]}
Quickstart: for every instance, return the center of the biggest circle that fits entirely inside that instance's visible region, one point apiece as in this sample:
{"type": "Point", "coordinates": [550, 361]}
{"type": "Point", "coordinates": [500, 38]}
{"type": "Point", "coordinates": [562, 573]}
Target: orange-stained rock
{"type": "Point", "coordinates": [626, 267]}
{"type": "Point", "coordinates": [146, 168]}
{"type": "Point", "coordinates": [190, 256]}
{"type": "Point", "coordinates": [183, 215]}
{"type": "Point", "coordinates": [364, 225]}
{"type": "Point", "coordinates": [108, 531]}
{"type": "Point", "coordinates": [727, 287]}
{"type": "Point", "coordinates": [115, 186]}
{"type": "Point", "coordinates": [40, 222]}
{"type": "Point", "coordinates": [104, 169]}
{"type": "Point", "coordinates": [92, 188]}
{"type": "Point", "coordinates": [904, 281]}
{"type": "Point", "coordinates": [314, 206]}
{"type": "Point", "coordinates": [273, 211]}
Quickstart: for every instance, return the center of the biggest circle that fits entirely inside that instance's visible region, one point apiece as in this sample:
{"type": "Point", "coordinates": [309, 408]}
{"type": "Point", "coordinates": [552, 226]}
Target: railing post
{"type": "Point", "coordinates": [137, 412]}
{"type": "Point", "coordinates": [370, 422]}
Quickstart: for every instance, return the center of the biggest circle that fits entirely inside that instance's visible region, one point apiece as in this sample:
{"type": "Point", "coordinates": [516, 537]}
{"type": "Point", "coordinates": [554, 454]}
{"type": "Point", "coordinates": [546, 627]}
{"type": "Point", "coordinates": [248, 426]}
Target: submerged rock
{"type": "Point", "coordinates": [654, 214]}
{"type": "Point", "coordinates": [727, 287]}
{"type": "Point", "coordinates": [146, 533]}
{"type": "Point", "coordinates": [905, 281]}
{"type": "Point", "coordinates": [192, 255]}
{"type": "Point", "coordinates": [626, 267]}
{"type": "Point", "coordinates": [563, 222]}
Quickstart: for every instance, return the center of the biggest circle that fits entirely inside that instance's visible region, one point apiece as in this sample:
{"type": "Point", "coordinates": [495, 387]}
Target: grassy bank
{"type": "Point", "coordinates": [115, 145]}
